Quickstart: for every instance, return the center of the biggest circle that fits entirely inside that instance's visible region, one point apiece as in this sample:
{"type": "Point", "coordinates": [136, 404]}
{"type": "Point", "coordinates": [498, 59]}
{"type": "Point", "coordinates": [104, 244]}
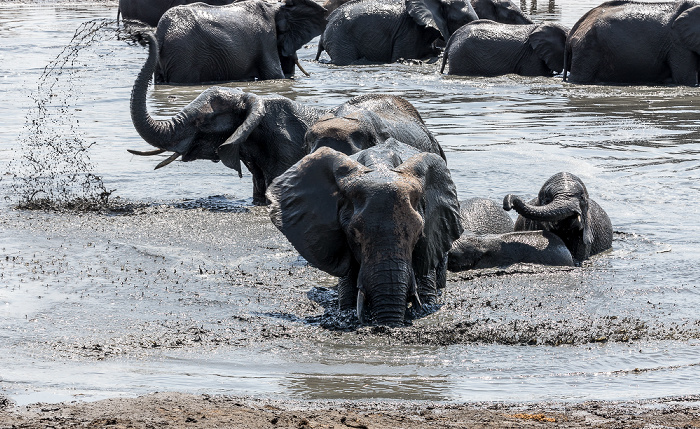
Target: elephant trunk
{"type": "Point", "coordinates": [386, 289]}
{"type": "Point", "coordinates": [558, 209]}
{"type": "Point", "coordinates": [157, 133]}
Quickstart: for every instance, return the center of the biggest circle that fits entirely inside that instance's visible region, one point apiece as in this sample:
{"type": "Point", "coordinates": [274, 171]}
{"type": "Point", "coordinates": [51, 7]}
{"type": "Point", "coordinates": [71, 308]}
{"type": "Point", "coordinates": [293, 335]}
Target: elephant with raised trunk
{"type": "Point", "coordinates": [487, 48]}
{"type": "Point", "coordinates": [564, 208]}
{"type": "Point", "coordinates": [383, 220]}
{"type": "Point", "coordinates": [383, 31]}
{"type": "Point", "coordinates": [150, 11]}
{"type": "Point", "coordinates": [636, 42]}
{"type": "Point", "coordinates": [247, 40]}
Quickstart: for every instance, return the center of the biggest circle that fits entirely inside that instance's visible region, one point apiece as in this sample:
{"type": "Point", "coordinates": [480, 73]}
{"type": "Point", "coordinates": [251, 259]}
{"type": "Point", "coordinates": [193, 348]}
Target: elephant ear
{"type": "Point", "coordinates": [428, 13]}
{"type": "Point", "coordinates": [687, 25]}
{"type": "Point", "coordinates": [440, 210]}
{"type": "Point", "coordinates": [298, 21]}
{"type": "Point", "coordinates": [548, 41]}
{"type": "Point", "coordinates": [305, 201]}
{"type": "Point", "coordinates": [229, 151]}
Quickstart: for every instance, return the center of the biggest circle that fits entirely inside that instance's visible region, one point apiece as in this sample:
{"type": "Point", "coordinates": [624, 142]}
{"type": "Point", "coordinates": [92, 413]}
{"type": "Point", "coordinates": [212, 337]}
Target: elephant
{"type": "Point", "coordinates": [473, 251]}
{"type": "Point", "coordinates": [503, 11]}
{"type": "Point", "coordinates": [564, 208]}
{"type": "Point", "coordinates": [382, 31]}
{"type": "Point", "coordinates": [369, 120]}
{"type": "Point", "coordinates": [487, 48]}
{"type": "Point", "coordinates": [382, 219]}
{"type": "Point", "coordinates": [149, 12]}
{"type": "Point", "coordinates": [627, 42]}
{"type": "Point", "coordinates": [247, 40]}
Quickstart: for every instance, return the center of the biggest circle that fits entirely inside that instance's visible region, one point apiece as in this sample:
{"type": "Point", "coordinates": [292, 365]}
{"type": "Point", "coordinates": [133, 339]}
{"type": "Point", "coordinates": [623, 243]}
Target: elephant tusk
{"type": "Point", "coordinates": [300, 67]}
{"type": "Point", "coordinates": [167, 161]}
{"type": "Point", "coordinates": [360, 305]}
{"type": "Point", "coordinates": [416, 302]}
{"type": "Point", "coordinates": [146, 153]}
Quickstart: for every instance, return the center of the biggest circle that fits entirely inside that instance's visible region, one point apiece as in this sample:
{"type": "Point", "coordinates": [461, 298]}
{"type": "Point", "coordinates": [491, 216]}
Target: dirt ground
{"type": "Point", "coordinates": [177, 410]}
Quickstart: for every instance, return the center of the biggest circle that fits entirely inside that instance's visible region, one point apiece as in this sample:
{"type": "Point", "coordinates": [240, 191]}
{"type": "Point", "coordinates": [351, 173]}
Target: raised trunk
{"type": "Point", "coordinates": [556, 210]}
{"type": "Point", "coordinates": [157, 133]}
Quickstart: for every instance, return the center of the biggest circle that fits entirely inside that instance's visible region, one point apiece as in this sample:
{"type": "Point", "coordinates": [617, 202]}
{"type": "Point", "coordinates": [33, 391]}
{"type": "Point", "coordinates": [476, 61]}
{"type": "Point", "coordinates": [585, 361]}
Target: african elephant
{"type": "Point", "coordinates": [369, 120]}
{"type": "Point", "coordinates": [382, 31]}
{"type": "Point", "coordinates": [383, 220]}
{"type": "Point", "coordinates": [149, 12]}
{"type": "Point", "coordinates": [564, 208]}
{"type": "Point", "coordinates": [483, 216]}
{"type": "Point", "coordinates": [636, 42]}
{"type": "Point", "coordinates": [487, 48]}
{"type": "Point", "coordinates": [503, 11]}
{"type": "Point", "coordinates": [472, 251]}
{"type": "Point", "coordinates": [247, 40]}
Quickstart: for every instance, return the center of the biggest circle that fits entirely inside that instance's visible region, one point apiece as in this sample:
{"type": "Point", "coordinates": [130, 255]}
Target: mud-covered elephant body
{"type": "Point", "coordinates": [564, 208]}
{"type": "Point", "coordinates": [246, 40]}
{"type": "Point", "coordinates": [150, 11]}
{"type": "Point", "coordinates": [636, 42]}
{"type": "Point", "coordinates": [383, 220]}
{"type": "Point", "coordinates": [487, 48]}
{"type": "Point", "coordinates": [382, 31]}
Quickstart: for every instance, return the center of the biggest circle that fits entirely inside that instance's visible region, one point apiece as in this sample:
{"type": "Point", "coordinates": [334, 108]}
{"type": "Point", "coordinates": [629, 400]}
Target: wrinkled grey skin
{"type": "Point", "coordinates": [150, 11]}
{"type": "Point", "coordinates": [472, 252]}
{"type": "Point", "coordinates": [247, 40]}
{"type": "Point", "coordinates": [636, 42]}
{"type": "Point", "coordinates": [383, 220]}
{"type": "Point", "coordinates": [487, 48]}
{"type": "Point", "coordinates": [483, 216]}
{"type": "Point", "coordinates": [369, 120]}
{"type": "Point", "coordinates": [503, 11]}
{"type": "Point", "coordinates": [266, 133]}
{"type": "Point", "coordinates": [564, 208]}
{"type": "Point", "coordinates": [383, 31]}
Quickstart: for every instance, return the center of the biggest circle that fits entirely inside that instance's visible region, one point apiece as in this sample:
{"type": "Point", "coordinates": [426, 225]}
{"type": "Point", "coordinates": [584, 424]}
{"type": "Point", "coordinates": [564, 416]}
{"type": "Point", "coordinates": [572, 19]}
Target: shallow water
{"type": "Point", "coordinates": [94, 306]}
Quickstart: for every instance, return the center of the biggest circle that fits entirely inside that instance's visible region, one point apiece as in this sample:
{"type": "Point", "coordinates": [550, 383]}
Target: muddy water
{"type": "Point", "coordinates": [192, 289]}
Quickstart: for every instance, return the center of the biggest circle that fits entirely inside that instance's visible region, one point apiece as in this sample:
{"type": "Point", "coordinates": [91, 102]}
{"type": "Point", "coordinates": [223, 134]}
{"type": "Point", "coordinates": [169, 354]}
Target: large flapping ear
{"type": "Point", "coordinates": [229, 151]}
{"type": "Point", "coordinates": [428, 13]}
{"type": "Point", "coordinates": [305, 201]}
{"type": "Point", "coordinates": [442, 222]}
{"type": "Point", "coordinates": [687, 25]}
{"type": "Point", "coordinates": [548, 41]}
{"type": "Point", "coordinates": [298, 21]}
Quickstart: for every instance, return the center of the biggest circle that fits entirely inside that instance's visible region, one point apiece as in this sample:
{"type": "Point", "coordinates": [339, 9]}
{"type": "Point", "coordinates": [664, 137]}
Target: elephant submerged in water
{"type": "Point", "coordinates": [383, 220]}
{"type": "Point", "coordinates": [636, 42]}
{"type": "Point", "coordinates": [246, 40]}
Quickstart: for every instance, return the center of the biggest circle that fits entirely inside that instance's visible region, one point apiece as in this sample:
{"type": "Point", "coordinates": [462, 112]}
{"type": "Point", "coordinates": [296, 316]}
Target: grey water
{"type": "Point", "coordinates": [636, 147]}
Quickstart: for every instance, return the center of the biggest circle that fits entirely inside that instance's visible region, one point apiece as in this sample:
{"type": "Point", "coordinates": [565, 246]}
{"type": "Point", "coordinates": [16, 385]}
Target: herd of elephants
{"type": "Point", "coordinates": [362, 190]}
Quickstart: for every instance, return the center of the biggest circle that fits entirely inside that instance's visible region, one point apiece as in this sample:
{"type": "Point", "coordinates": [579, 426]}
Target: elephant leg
{"type": "Point", "coordinates": [259, 184]}
{"type": "Point", "coordinates": [347, 289]}
{"type": "Point", "coordinates": [427, 288]}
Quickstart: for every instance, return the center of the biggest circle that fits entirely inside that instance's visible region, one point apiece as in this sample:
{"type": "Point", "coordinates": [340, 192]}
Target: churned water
{"type": "Point", "coordinates": [194, 291]}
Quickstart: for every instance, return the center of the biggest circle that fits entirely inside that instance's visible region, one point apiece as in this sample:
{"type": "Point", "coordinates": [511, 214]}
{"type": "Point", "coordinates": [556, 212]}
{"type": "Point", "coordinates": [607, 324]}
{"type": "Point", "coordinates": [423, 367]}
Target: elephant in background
{"type": "Point", "coordinates": [383, 220]}
{"type": "Point", "coordinates": [487, 48]}
{"type": "Point", "coordinates": [247, 40]}
{"type": "Point", "coordinates": [564, 208]}
{"type": "Point", "coordinates": [369, 120]}
{"type": "Point", "coordinates": [636, 42]}
{"type": "Point", "coordinates": [383, 31]}
{"type": "Point", "coordinates": [149, 12]}
{"type": "Point", "coordinates": [503, 11]}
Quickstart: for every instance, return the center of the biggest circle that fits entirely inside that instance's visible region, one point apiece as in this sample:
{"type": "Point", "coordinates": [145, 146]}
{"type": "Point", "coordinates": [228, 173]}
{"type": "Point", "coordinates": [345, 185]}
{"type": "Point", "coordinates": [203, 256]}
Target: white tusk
{"type": "Point", "coordinates": [147, 153]}
{"type": "Point", "coordinates": [301, 68]}
{"type": "Point", "coordinates": [360, 305]}
{"type": "Point", "coordinates": [167, 161]}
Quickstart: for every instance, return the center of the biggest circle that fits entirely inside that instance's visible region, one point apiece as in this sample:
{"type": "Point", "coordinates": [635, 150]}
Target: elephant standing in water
{"type": "Point", "coordinates": [503, 11]}
{"type": "Point", "coordinates": [149, 12]}
{"type": "Point", "coordinates": [564, 208]}
{"type": "Point", "coordinates": [382, 220]}
{"type": "Point", "coordinates": [487, 48]}
{"type": "Point", "coordinates": [247, 40]}
{"type": "Point", "coordinates": [636, 42]}
{"type": "Point", "coordinates": [383, 31]}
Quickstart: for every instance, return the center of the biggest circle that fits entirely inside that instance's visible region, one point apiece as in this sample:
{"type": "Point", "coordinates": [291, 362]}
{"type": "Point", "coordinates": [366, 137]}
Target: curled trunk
{"type": "Point", "coordinates": [558, 209]}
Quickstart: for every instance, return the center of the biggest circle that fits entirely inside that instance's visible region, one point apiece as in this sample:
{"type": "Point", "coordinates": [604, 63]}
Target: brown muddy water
{"type": "Point", "coordinates": [190, 288]}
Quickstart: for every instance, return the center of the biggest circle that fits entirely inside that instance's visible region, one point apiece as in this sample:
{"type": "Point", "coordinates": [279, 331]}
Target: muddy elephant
{"type": "Point", "coordinates": [564, 208]}
{"type": "Point", "coordinates": [383, 31]}
{"type": "Point", "coordinates": [484, 216]}
{"type": "Point", "coordinates": [247, 40]}
{"type": "Point", "coordinates": [627, 42]}
{"type": "Point", "coordinates": [369, 120]}
{"type": "Point", "coordinates": [487, 48]}
{"type": "Point", "coordinates": [383, 220]}
{"type": "Point", "coordinates": [149, 12]}
{"type": "Point", "coordinates": [503, 11]}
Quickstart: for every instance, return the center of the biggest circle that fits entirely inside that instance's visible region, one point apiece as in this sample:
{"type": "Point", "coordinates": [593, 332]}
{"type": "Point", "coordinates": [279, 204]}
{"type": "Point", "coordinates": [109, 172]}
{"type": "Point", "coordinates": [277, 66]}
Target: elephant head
{"type": "Point", "coordinates": [387, 214]}
{"type": "Point", "coordinates": [685, 26]}
{"type": "Point", "coordinates": [548, 41]}
{"type": "Point", "coordinates": [564, 208]}
{"type": "Point", "coordinates": [445, 16]}
{"type": "Point", "coordinates": [504, 11]}
{"type": "Point", "coordinates": [297, 22]}
{"type": "Point", "coordinates": [347, 134]}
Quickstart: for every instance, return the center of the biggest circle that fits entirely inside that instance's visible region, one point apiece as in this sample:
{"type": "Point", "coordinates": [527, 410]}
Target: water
{"type": "Point", "coordinates": [194, 295]}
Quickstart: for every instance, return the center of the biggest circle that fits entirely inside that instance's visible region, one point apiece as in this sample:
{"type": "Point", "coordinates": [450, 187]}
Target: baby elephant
{"type": "Point", "coordinates": [487, 48]}
{"type": "Point", "coordinates": [497, 250]}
